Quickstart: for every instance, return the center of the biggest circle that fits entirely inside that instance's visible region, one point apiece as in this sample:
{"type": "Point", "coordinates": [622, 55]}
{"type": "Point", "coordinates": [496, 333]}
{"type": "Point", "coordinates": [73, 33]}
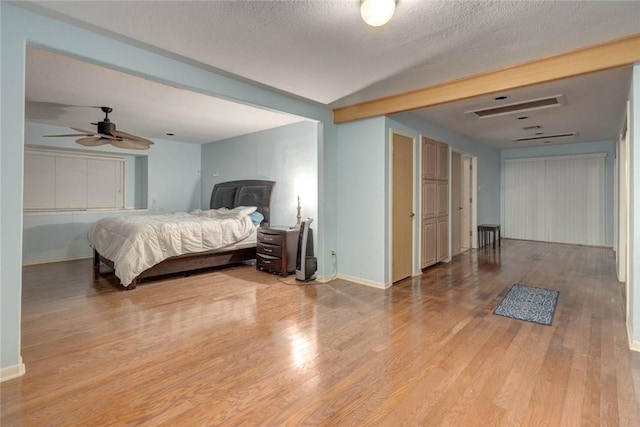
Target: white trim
{"type": "Point", "coordinates": [633, 344]}
{"type": "Point", "coordinates": [473, 193]}
{"type": "Point", "coordinates": [50, 260]}
{"type": "Point", "coordinates": [570, 156]}
{"type": "Point", "coordinates": [68, 152]}
{"type": "Point", "coordinates": [14, 371]}
{"type": "Point", "coordinates": [474, 202]}
{"type": "Point", "coordinates": [449, 208]}
{"type": "Point", "coordinates": [325, 279]}
{"type": "Point", "coordinates": [366, 282]}
{"type": "Point", "coordinates": [48, 212]}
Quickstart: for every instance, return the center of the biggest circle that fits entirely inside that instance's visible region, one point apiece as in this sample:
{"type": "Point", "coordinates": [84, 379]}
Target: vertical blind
{"type": "Point", "coordinates": [57, 180]}
{"type": "Point", "coordinates": [556, 199]}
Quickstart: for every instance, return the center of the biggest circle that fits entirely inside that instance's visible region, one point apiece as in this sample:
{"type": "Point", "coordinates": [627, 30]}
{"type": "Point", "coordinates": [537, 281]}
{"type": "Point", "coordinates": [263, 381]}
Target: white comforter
{"type": "Point", "coordinates": [136, 243]}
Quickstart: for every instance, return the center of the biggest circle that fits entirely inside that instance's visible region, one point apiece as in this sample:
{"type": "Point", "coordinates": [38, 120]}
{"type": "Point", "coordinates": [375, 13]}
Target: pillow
{"type": "Point", "coordinates": [256, 218]}
{"type": "Point", "coordinates": [243, 210]}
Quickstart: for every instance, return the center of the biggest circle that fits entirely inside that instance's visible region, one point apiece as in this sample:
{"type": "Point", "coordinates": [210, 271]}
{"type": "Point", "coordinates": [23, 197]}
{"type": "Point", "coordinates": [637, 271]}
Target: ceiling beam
{"type": "Point", "coordinates": [601, 57]}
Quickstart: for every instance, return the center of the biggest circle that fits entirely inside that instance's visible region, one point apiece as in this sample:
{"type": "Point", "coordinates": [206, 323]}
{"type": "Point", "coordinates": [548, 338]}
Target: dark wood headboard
{"type": "Point", "coordinates": [249, 192]}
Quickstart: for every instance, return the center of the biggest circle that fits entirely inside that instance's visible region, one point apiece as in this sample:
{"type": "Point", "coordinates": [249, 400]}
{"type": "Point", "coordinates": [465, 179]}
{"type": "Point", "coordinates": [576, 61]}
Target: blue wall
{"type": "Point", "coordinates": [352, 159]}
{"type": "Point", "coordinates": [564, 150]}
{"type": "Point", "coordinates": [19, 28]}
{"type": "Point", "coordinates": [363, 194]}
{"type": "Point", "coordinates": [488, 165]}
{"type": "Point", "coordinates": [362, 205]}
{"type": "Point", "coordinates": [287, 155]}
{"type": "Point", "coordinates": [172, 176]}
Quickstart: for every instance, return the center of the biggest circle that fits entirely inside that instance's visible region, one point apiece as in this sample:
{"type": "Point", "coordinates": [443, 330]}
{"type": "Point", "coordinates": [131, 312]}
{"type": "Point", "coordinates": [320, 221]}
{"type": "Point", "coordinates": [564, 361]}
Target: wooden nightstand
{"type": "Point", "coordinates": [276, 250]}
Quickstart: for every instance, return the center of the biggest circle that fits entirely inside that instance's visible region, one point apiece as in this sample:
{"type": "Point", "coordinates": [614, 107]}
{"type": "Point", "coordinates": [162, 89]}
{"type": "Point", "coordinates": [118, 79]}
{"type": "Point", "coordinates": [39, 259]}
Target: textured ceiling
{"type": "Point", "coordinates": [593, 107]}
{"type": "Point", "coordinates": [58, 86]}
{"type": "Point", "coordinates": [321, 50]}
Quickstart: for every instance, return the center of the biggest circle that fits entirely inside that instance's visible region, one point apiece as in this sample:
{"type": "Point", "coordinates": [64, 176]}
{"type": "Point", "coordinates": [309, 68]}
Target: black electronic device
{"type": "Point", "coordinates": [306, 263]}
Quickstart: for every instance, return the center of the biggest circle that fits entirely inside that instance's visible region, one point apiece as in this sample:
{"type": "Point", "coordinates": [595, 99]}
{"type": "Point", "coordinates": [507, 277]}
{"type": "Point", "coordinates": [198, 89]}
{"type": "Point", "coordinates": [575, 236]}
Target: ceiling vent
{"type": "Point", "coordinates": [545, 137]}
{"type": "Point", "coordinates": [519, 107]}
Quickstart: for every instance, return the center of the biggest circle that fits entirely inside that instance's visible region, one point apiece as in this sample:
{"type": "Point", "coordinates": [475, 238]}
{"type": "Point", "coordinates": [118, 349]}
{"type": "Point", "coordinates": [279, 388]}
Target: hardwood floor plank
{"type": "Point", "coordinates": [236, 346]}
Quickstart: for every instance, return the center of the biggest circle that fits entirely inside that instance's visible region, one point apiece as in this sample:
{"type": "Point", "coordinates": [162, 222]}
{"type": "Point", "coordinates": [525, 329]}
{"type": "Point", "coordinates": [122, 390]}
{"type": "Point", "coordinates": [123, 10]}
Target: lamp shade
{"type": "Point", "coordinates": [377, 12]}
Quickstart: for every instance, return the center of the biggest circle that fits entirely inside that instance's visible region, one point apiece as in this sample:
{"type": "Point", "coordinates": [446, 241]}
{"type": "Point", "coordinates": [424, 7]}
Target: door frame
{"type": "Point", "coordinates": [454, 208]}
{"type": "Point", "coordinates": [473, 191]}
{"type": "Point", "coordinates": [621, 210]}
{"type": "Point", "coordinates": [414, 228]}
{"type": "Point", "coordinates": [474, 201]}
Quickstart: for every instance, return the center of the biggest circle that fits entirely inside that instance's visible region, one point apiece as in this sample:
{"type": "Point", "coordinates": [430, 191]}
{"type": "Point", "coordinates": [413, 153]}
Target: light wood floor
{"type": "Point", "coordinates": [240, 347]}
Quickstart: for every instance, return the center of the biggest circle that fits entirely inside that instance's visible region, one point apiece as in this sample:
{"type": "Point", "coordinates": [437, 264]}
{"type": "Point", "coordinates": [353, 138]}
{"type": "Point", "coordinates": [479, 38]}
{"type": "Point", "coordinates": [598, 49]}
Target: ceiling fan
{"type": "Point", "coordinates": [107, 134]}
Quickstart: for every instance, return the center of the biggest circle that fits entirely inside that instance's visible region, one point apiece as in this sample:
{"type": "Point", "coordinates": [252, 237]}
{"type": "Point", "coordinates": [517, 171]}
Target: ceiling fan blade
{"type": "Point", "coordinates": [107, 136]}
{"type": "Point", "coordinates": [126, 135]}
{"type": "Point", "coordinates": [90, 132]}
{"type": "Point", "coordinates": [129, 144]}
{"type": "Point", "coordinates": [92, 142]}
{"type": "Point", "coordinates": [70, 134]}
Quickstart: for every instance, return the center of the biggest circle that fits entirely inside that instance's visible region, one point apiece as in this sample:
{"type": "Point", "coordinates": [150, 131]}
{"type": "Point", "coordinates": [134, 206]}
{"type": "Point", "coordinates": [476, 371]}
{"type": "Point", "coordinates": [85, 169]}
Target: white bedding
{"type": "Point", "coordinates": [136, 243]}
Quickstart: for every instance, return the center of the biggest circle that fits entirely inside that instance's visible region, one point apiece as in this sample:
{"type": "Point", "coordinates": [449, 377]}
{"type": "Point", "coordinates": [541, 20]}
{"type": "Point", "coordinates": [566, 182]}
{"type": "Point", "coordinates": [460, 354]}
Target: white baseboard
{"type": "Point", "coordinates": [633, 344]}
{"type": "Point", "coordinates": [361, 281]}
{"type": "Point", "coordinates": [325, 279]}
{"type": "Point", "coordinates": [11, 372]}
{"type": "Point", "coordinates": [48, 261]}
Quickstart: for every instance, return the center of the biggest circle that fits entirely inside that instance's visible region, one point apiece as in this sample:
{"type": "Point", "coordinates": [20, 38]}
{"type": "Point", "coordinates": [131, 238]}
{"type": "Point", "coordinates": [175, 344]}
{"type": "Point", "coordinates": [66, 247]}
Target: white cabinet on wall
{"type": "Point", "coordinates": [435, 202]}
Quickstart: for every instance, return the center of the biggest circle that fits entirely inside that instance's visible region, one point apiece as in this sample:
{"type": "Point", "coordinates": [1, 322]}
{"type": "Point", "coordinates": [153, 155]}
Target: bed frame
{"type": "Point", "coordinates": [227, 194]}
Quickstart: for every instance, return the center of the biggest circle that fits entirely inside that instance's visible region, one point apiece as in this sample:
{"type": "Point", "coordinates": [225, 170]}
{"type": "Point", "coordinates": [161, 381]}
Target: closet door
{"type": "Point", "coordinates": [442, 199]}
{"type": "Point", "coordinates": [429, 159]}
{"type": "Point", "coordinates": [435, 202]}
{"type": "Point", "coordinates": [442, 167]}
{"type": "Point", "coordinates": [556, 199]}
{"type": "Point", "coordinates": [524, 200]}
{"type": "Point", "coordinates": [429, 239]}
{"type": "Point", "coordinates": [443, 239]}
{"type": "Point", "coordinates": [575, 200]}
{"type": "Point", "coordinates": [429, 199]}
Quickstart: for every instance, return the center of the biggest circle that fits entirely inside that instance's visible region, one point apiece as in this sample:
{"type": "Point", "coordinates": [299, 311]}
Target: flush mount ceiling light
{"type": "Point", "coordinates": [377, 12]}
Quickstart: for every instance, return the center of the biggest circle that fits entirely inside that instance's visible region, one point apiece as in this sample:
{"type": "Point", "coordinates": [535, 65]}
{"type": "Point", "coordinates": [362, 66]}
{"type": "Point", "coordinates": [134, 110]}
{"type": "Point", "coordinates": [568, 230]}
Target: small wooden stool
{"type": "Point", "coordinates": [484, 231]}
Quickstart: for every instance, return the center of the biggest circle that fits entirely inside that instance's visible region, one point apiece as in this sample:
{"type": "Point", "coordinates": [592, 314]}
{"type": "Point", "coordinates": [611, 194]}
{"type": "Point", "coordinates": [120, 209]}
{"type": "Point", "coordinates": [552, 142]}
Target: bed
{"type": "Point", "coordinates": [230, 195]}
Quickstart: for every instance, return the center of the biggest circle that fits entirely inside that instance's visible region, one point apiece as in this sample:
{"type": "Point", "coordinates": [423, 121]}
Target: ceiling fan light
{"type": "Point", "coordinates": [377, 12]}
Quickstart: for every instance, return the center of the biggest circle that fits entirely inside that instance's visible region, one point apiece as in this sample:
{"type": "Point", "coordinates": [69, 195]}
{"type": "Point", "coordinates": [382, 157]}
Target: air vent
{"type": "Point", "coordinates": [545, 137]}
{"type": "Point", "coordinates": [519, 107]}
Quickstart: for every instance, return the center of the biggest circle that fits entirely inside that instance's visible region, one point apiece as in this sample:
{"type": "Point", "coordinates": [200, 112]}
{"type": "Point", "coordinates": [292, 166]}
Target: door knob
{"type": "Point", "coordinates": [412, 214]}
